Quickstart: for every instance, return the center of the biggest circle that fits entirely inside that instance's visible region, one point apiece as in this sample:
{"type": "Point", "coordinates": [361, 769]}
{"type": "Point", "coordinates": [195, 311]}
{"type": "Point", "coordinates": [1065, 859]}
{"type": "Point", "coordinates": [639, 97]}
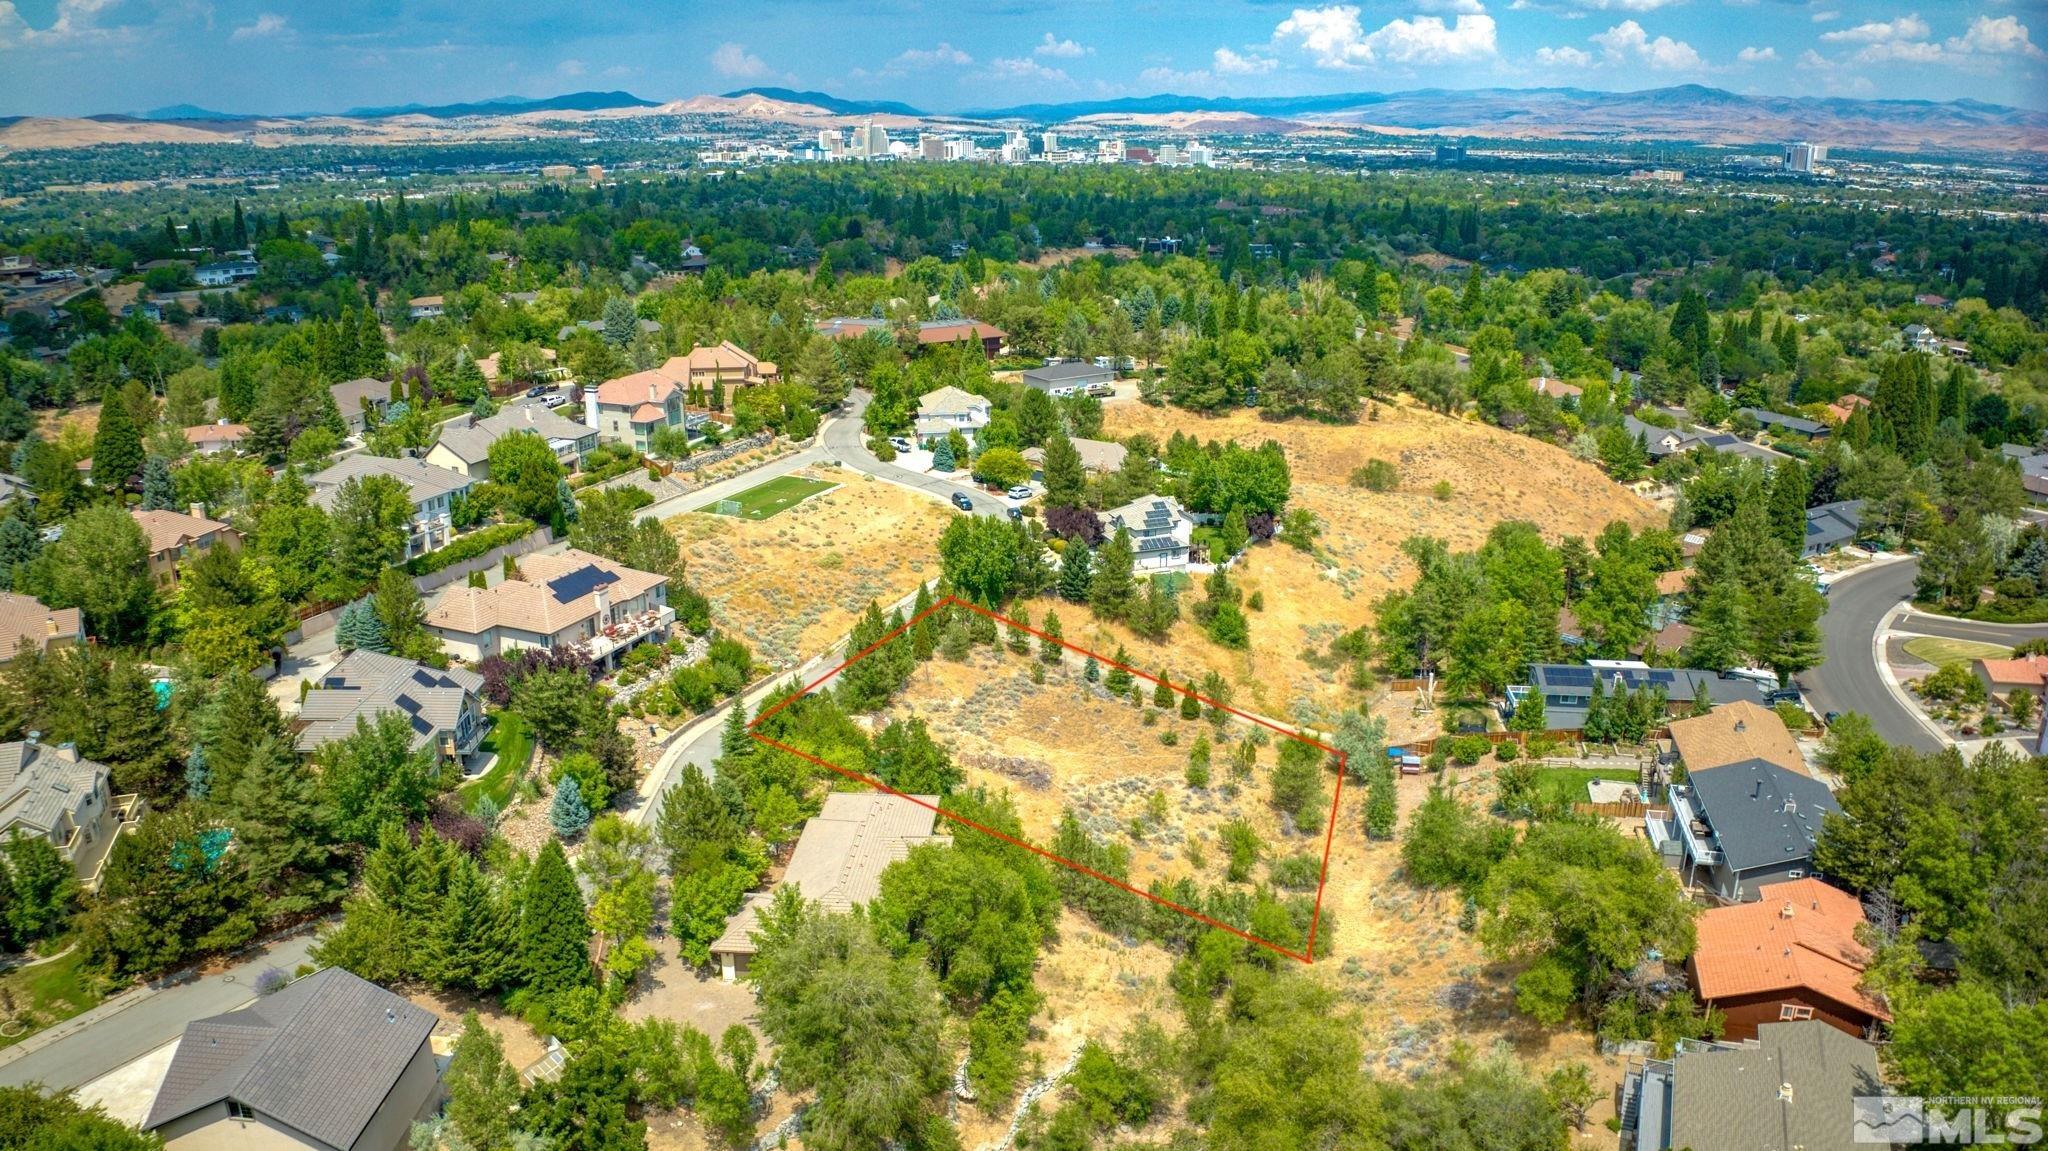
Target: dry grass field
{"type": "Point", "coordinates": [1309, 599]}
{"type": "Point", "coordinates": [791, 584]}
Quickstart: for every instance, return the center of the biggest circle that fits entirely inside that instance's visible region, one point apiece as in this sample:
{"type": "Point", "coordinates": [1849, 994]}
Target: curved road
{"type": "Point", "coordinates": [1850, 679]}
{"type": "Point", "coordinates": [845, 440]}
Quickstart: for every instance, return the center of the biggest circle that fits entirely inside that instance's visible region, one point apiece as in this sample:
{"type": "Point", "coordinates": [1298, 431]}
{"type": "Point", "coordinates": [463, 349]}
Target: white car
{"type": "Point", "coordinates": [1020, 492]}
{"type": "Point", "coordinates": [900, 444]}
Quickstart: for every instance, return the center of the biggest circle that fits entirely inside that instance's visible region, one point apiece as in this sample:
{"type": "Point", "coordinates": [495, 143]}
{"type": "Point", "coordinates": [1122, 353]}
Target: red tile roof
{"type": "Point", "coordinates": [1801, 935]}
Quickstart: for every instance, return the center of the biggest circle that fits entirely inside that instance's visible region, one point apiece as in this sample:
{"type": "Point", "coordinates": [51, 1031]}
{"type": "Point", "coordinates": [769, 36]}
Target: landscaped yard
{"type": "Point", "coordinates": [509, 738]}
{"type": "Point", "coordinates": [1568, 784]}
{"type": "Point", "coordinates": [1938, 651]}
{"type": "Point", "coordinates": [32, 998]}
{"type": "Point", "coordinates": [777, 495]}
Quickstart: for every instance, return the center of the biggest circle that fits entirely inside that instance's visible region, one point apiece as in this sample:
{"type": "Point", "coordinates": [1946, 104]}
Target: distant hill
{"type": "Point", "coordinates": [187, 112]}
{"type": "Point", "coordinates": [509, 106]}
{"type": "Point", "coordinates": [829, 103]}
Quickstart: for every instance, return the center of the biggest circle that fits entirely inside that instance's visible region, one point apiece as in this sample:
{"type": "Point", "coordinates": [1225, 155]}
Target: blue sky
{"type": "Point", "coordinates": [84, 56]}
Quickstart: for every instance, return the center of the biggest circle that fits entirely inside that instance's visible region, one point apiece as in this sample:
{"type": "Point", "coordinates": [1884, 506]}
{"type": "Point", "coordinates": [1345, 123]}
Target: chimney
{"type": "Point", "coordinates": [1756, 790]}
{"type": "Point", "coordinates": [651, 397]}
{"type": "Point", "coordinates": [1785, 912]}
{"type": "Point", "coordinates": [68, 752]}
{"type": "Point", "coordinates": [33, 737]}
{"type": "Point", "coordinates": [1791, 807]}
{"type": "Point", "coordinates": [1741, 727]}
{"type": "Point", "coordinates": [50, 622]}
{"type": "Point", "coordinates": [198, 511]}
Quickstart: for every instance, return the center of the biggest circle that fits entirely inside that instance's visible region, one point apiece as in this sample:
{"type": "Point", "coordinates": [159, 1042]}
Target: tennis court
{"type": "Point", "coordinates": [764, 500]}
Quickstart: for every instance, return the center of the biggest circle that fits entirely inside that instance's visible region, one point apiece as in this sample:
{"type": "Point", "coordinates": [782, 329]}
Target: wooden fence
{"type": "Point", "coordinates": [1622, 810]}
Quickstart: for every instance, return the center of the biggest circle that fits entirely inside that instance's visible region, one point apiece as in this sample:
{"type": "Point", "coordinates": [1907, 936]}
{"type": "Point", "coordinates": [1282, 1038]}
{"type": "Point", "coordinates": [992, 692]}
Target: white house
{"type": "Point", "coordinates": [431, 488]}
{"type": "Point", "coordinates": [1160, 532]}
{"type": "Point", "coordinates": [571, 600]}
{"type": "Point", "coordinates": [627, 410]}
{"type": "Point", "coordinates": [949, 409]}
{"type": "Point", "coordinates": [225, 273]}
{"type": "Point", "coordinates": [465, 444]}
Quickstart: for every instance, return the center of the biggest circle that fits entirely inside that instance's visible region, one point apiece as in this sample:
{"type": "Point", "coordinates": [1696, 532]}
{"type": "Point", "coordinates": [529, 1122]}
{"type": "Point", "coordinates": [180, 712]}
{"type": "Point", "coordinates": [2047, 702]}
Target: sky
{"type": "Point", "coordinates": [77, 57]}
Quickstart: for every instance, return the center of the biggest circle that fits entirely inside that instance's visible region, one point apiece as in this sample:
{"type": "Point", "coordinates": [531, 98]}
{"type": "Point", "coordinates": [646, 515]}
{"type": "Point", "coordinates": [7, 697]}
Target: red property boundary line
{"type": "Point", "coordinates": [1306, 955]}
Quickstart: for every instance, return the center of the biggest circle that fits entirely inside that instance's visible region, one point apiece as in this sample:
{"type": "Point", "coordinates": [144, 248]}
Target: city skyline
{"type": "Point", "coordinates": [77, 57]}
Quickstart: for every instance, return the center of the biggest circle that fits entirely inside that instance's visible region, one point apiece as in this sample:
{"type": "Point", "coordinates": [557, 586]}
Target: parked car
{"type": "Point", "coordinates": [538, 390]}
{"type": "Point", "coordinates": [901, 444]}
{"type": "Point", "coordinates": [961, 501]}
{"type": "Point", "coordinates": [1019, 492]}
{"type": "Point", "coordinates": [1016, 514]}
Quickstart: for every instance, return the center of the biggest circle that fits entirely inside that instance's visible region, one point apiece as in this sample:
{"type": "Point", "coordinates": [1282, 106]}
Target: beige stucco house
{"type": "Point", "coordinates": [52, 793]}
{"type": "Point", "coordinates": [571, 600]}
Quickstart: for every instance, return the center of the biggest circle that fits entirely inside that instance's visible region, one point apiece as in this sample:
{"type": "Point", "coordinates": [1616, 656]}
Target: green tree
{"type": "Point", "coordinates": [1066, 482]}
{"type": "Point", "coordinates": [554, 929]}
{"type": "Point", "coordinates": [159, 494]}
{"type": "Point", "coordinates": [116, 445]}
{"type": "Point", "coordinates": [1112, 589]}
{"type": "Point", "coordinates": [375, 776]}
{"type": "Point", "coordinates": [526, 479]}
{"type": "Point", "coordinates": [41, 888]}
{"type": "Point", "coordinates": [282, 833]}
{"type": "Point", "coordinates": [979, 557]}
{"type": "Point", "coordinates": [369, 525]}
{"type": "Point", "coordinates": [100, 565]}
{"type": "Point", "coordinates": [483, 1089]}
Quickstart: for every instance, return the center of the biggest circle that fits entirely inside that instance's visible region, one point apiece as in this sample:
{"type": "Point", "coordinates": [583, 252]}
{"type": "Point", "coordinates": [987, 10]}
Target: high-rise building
{"type": "Point", "coordinates": [1016, 149]}
{"type": "Point", "coordinates": [1169, 155]}
{"type": "Point", "coordinates": [1110, 151]}
{"type": "Point", "coordinates": [960, 148]}
{"type": "Point", "coordinates": [871, 141]}
{"type": "Point", "coordinates": [1051, 140]}
{"type": "Point", "coordinates": [1199, 154]}
{"type": "Point", "coordinates": [1802, 157]}
{"type": "Point", "coordinates": [930, 147]}
{"type": "Point", "coordinates": [831, 143]}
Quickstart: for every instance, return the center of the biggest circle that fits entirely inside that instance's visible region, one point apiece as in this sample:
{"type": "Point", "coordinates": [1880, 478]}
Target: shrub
{"type": "Point", "coordinates": [1469, 749]}
{"type": "Point", "coordinates": [1298, 872]}
{"type": "Point", "coordinates": [1506, 752]}
{"type": "Point", "coordinates": [469, 547]}
{"type": "Point", "coordinates": [1376, 476]}
{"type": "Point", "coordinates": [1443, 490]}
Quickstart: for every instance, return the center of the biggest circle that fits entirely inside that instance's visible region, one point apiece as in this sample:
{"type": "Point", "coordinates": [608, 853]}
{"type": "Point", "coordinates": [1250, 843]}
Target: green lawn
{"type": "Point", "coordinates": [514, 744]}
{"type": "Point", "coordinates": [779, 494]}
{"type": "Point", "coordinates": [1937, 651]}
{"type": "Point", "coordinates": [49, 993]}
{"type": "Point", "coordinates": [1568, 784]}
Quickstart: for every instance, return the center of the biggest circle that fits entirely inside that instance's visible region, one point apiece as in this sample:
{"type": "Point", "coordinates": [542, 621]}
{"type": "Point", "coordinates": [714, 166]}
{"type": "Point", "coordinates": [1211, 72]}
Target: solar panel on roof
{"type": "Point", "coordinates": [1662, 676]}
{"type": "Point", "coordinates": [1569, 676]}
{"type": "Point", "coordinates": [408, 705]}
{"type": "Point", "coordinates": [580, 582]}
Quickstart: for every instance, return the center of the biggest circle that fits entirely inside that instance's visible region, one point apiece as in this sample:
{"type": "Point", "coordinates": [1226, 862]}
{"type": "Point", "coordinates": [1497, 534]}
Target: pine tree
{"type": "Point", "coordinates": [116, 445]}
{"type": "Point", "coordinates": [471, 941]}
{"type": "Point", "coordinates": [1190, 707]}
{"type": "Point", "coordinates": [159, 494]}
{"type": "Point", "coordinates": [942, 456]}
{"type": "Point", "coordinates": [1119, 680]}
{"type": "Point", "coordinates": [1528, 716]}
{"type": "Point", "coordinates": [1091, 671]}
{"type": "Point", "coordinates": [239, 716]}
{"type": "Point", "coordinates": [733, 738]}
{"type": "Point", "coordinates": [1049, 649]}
{"type": "Point", "coordinates": [1065, 479]}
{"type": "Point", "coordinates": [279, 831]}
{"type": "Point", "coordinates": [1789, 490]}
{"type": "Point", "coordinates": [1162, 693]}
{"type": "Point", "coordinates": [956, 641]}
{"type": "Point", "coordinates": [554, 928]}
{"type": "Point", "coordinates": [1076, 572]}
{"type": "Point", "coordinates": [135, 737]}
{"type": "Point", "coordinates": [483, 1090]}
{"type": "Point", "coordinates": [568, 814]}
{"type": "Point", "coordinates": [1111, 589]}
{"type": "Point", "coordinates": [359, 629]}
{"type": "Point", "coordinates": [1020, 640]}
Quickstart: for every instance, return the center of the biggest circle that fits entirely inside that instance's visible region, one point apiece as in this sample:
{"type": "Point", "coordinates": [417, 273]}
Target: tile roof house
{"type": "Point", "coordinates": [1791, 955]}
{"type": "Point", "coordinates": [213, 439]}
{"type": "Point", "coordinates": [432, 490]}
{"type": "Point", "coordinates": [1567, 688]}
{"type": "Point", "coordinates": [1734, 828]}
{"type": "Point", "coordinates": [1161, 533]}
{"type": "Point", "coordinates": [332, 1062]}
{"type": "Point", "coordinates": [725, 363]}
{"type": "Point", "coordinates": [444, 708]}
{"type": "Point", "coordinates": [465, 443]}
{"type": "Point", "coordinates": [1555, 389]}
{"type": "Point", "coordinates": [51, 793]}
{"type": "Point", "coordinates": [1096, 455]}
{"type": "Point", "coordinates": [573, 599]}
{"type": "Point", "coordinates": [950, 409]}
{"type": "Point", "coordinates": [1792, 1088]}
{"type": "Point", "coordinates": [358, 397]}
{"type": "Point", "coordinates": [629, 409]}
{"type": "Point", "coordinates": [1831, 526]}
{"type": "Point", "coordinates": [1732, 733]}
{"type": "Point", "coordinates": [175, 537]}
{"type": "Point", "coordinates": [838, 861]}
{"type": "Point", "coordinates": [25, 622]}
{"type": "Point", "coordinates": [2002, 677]}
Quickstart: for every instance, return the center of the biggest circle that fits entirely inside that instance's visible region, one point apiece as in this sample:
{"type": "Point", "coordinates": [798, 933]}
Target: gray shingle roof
{"type": "Point", "coordinates": [423, 480]}
{"type": "Point", "coordinates": [1791, 1090]}
{"type": "Point", "coordinates": [471, 442]}
{"type": "Point", "coordinates": [1057, 375]}
{"type": "Point", "coordinates": [1761, 813]}
{"type": "Point", "coordinates": [320, 1057]}
{"type": "Point", "coordinates": [40, 783]}
{"type": "Point", "coordinates": [1831, 525]}
{"type": "Point", "coordinates": [366, 684]}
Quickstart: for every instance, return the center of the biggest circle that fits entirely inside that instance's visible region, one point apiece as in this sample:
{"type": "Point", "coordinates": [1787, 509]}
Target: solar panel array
{"type": "Point", "coordinates": [579, 583]}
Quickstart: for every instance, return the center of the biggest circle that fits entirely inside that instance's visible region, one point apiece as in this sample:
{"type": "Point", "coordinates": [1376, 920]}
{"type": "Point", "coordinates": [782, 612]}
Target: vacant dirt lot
{"type": "Point", "coordinates": [794, 583]}
{"type": "Point", "coordinates": [1494, 476]}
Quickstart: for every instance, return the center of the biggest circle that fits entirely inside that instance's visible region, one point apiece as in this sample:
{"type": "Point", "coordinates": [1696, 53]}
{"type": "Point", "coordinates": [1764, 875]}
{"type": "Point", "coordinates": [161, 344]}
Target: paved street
{"type": "Point", "coordinates": [846, 441]}
{"type": "Point", "coordinates": [88, 1046]}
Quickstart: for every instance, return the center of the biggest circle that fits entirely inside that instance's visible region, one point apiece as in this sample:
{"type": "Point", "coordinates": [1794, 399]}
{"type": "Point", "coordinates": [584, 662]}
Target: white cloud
{"type": "Point", "coordinates": [74, 21]}
{"type": "Point", "coordinates": [731, 59]}
{"type": "Point", "coordinates": [943, 53]}
{"type": "Point", "coordinates": [2003, 36]}
{"type": "Point", "coordinates": [1755, 55]}
{"type": "Point", "coordinates": [1881, 31]}
{"type": "Point", "coordinates": [1334, 37]}
{"type": "Point", "coordinates": [1454, 6]}
{"type": "Point", "coordinates": [1624, 5]}
{"type": "Point", "coordinates": [1627, 41]}
{"type": "Point", "coordinates": [1060, 49]}
{"type": "Point", "coordinates": [266, 25]}
{"type": "Point", "coordinates": [1825, 15]}
{"type": "Point", "coordinates": [1025, 68]}
{"type": "Point", "coordinates": [1229, 63]}
{"type": "Point", "coordinates": [570, 68]}
{"type": "Point", "coordinates": [1161, 79]}
{"type": "Point", "coordinates": [1564, 57]}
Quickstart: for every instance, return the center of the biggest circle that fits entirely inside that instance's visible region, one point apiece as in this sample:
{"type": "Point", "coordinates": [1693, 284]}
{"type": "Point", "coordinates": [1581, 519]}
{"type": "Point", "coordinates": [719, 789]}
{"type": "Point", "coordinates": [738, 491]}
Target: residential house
{"type": "Point", "coordinates": [1555, 389]}
{"type": "Point", "coordinates": [2002, 677]}
{"type": "Point", "coordinates": [1734, 445]}
{"type": "Point", "coordinates": [929, 332]}
{"type": "Point", "coordinates": [1831, 526]}
{"type": "Point", "coordinates": [1792, 1088]}
{"type": "Point", "coordinates": [1101, 456]}
{"type": "Point", "coordinates": [1840, 410]}
{"type": "Point", "coordinates": [357, 398]}
{"type": "Point", "coordinates": [465, 444]}
{"type": "Point", "coordinates": [444, 708]}
{"type": "Point", "coordinates": [1921, 338]}
{"type": "Point", "coordinates": [1567, 688]}
{"type": "Point", "coordinates": [596, 328]}
{"type": "Point", "coordinates": [1733, 733]}
{"type": "Point", "coordinates": [1792, 955]}
{"type": "Point", "coordinates": [51, 793]}
{"type": "Point", "coordinates": [1787, 425]}
{"type": "Point", "coordinates": [571, 600]}
{"type": "Point", "coordinates": [431, 489]}
{"type": "Point", "coordinates": [13, 487]}
{"type": "Point", "coordinates": [331, 1062]}
{"type": "Point", "coordinates": [1161, 532]}
{"type": "Point", "coordinates": [213, 439]}
{"type": "Point", "coordinates": [629, 410]}
{"type": "Point", "coordinates": [426, 307]}
{"type": "Point", "coordinates": [1069, 379]}
{"type": "Point", "coordinates": [726, 365]}
{"type": "Point", "coordinates": [492, 366]}
{"type": "Point", "coordinates": [1734, 828]}
{"type": "Point", "coordinates": [175, 537]}
{"type": "Point", "coordinates": [225, 273]}
{"type": "Point", "coordinates": [950, 409]}
{"type": "Point", "coordinates": [838, 862]}
{"type": "Point", "coordinates": [26, 623]}
{"type": "Point", "coordinates": [1659, 442]}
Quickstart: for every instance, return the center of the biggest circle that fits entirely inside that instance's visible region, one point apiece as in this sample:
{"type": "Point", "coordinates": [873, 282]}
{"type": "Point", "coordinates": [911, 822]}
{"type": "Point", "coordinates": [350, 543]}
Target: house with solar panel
{"type": "Point", "coordinates": [445, 709]}
{"type": "Point", "coordinates": [1161, 532]}
{"type": "Point", "coordinates": [1567, 688]}
{"type": "Point", "coordinates": [574, 601]}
